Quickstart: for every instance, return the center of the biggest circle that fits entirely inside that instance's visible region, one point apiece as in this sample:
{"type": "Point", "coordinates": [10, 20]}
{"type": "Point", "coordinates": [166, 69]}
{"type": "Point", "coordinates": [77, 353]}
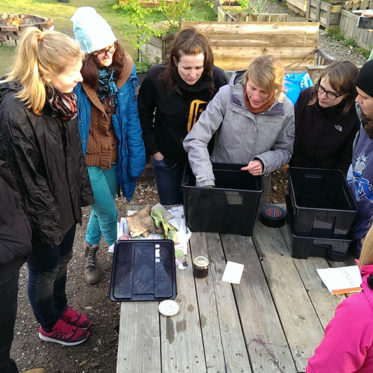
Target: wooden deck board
{"type": "Point", "coordinates": [265, 339]}
{"type": "Point", "coordinates": [298, 317]}
{"type": "Point", "coordinates": [271, 322]}
{"type": "Point", "coordinates": [219, 316]}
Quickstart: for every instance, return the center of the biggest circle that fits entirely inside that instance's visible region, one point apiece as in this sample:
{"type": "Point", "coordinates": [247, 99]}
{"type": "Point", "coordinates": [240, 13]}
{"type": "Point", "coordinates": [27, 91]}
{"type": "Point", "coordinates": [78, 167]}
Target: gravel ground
{"type": "Point", "coordinates": [98, 354]}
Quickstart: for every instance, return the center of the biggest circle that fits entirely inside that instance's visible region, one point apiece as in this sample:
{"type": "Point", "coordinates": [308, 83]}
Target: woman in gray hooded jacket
{"type": "Point", "coordinates": [253, 123]}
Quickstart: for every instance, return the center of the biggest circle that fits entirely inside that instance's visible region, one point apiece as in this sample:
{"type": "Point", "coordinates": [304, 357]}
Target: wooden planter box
{"type": "Point", "coordinates": [11, 25]}
{"type": "Point", "coordinates": [358, 4]}
{"type": "Point", "coordinates": [234, 14]}
{"type": "Point", "coordinates": [328, 14]}
{"type": "Point", "coordinates": [363, 37]}
{"type": "Point", "coordinates": [235, 44]}
{"type": "Point", "coordinates": [297, 6]}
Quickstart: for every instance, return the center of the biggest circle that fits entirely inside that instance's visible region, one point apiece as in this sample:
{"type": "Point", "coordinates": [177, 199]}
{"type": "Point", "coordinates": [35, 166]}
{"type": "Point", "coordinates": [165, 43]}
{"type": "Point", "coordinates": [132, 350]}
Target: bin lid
{"type": "Point", "coordinates": [143, 270]}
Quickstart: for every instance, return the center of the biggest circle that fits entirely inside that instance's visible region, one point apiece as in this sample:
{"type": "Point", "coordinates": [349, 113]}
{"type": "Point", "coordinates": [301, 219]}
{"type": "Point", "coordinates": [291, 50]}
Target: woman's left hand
{"type": "Point", "coordinates": [254, 167]}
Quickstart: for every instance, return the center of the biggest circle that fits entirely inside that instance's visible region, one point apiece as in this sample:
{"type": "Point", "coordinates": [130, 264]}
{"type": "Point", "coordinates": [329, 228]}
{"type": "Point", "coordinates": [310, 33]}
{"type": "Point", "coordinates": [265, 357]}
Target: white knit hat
{"type": "Point", "coordinates": [91, 30]}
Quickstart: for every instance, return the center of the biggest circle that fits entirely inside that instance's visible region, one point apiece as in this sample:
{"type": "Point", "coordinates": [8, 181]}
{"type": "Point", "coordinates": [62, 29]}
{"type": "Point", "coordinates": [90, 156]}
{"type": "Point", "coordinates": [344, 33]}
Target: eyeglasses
{"type": "Point", "coordinates": [102, 53]}
{"type": "Point", "coordinates": [330, 95]}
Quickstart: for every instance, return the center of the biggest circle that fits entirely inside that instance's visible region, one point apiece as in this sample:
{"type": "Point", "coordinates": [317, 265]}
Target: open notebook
{"type": "Point", "coordinates": [341, 280]}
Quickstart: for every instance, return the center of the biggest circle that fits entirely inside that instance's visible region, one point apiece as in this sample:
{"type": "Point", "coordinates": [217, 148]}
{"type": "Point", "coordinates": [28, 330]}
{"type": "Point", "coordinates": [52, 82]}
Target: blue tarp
{"type": "Point", "coordinates": [295, 83]}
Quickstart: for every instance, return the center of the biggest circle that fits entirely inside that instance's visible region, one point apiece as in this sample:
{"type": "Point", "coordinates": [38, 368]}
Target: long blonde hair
{"type": "Point", "coordinates": [40, 53]}
{"type": "Point", "coordinates": [366, 255]}
{"type": "Point", "coordinates": [267, 72]}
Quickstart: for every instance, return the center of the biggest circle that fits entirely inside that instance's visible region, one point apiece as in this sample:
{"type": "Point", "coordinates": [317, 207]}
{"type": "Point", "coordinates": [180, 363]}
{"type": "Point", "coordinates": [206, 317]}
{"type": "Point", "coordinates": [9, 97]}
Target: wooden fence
{"type": "Point", "coordinates": [363, 37]}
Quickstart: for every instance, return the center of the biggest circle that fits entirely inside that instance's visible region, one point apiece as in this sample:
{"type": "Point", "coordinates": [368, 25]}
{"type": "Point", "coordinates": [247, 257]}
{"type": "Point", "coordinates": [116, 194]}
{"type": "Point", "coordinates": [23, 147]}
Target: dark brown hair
{"type": "Point", "coordinates": [190, 42]}
{"type": "Point", "coordinates": [341, 77]}
{"type": "Point", "coordinates": [91, 65]}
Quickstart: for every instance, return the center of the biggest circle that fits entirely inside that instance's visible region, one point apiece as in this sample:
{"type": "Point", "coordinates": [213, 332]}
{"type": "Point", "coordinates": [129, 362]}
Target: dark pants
{"type": "Point", "coordinates": [9, 274]}
{"type": "Point", "coordinates": [168, 175]}
{"type": "Point", "coordinates": [47, 280]}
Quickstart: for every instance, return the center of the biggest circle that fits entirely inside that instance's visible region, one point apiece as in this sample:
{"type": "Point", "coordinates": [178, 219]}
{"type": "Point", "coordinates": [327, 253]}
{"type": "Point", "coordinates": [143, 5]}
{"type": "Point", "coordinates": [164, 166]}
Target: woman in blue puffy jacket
{"type": "Point", "coordinates": [109, 128]}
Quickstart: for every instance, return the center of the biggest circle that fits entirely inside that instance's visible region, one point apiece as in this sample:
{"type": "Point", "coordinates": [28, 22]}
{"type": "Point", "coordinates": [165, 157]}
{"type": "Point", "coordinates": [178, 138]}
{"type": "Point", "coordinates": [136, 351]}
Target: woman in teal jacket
{"type": "Point", "coordinates": [109, 128]}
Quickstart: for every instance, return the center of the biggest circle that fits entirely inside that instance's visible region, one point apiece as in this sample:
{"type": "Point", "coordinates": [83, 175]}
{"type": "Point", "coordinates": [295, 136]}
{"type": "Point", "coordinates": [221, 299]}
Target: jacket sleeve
{"type": "Point", "coordinates": [19, 142]}
{"type": "Point", "coordinates": [282, 150]}
{"type": "Point", "coordinates": [196, 142]}
{"type": "Point", "coordinates": [147, 106]}
{"type": "Point", "coordinates": [348, 338]}
{"type": "Point", "coordinates": [135, 143]}
{"type": "Point", "coordinates": [15, 230]}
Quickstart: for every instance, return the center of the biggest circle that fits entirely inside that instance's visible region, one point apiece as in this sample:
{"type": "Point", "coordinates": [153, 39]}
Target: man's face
{"type": "Point", "coordinates": [366, 103]}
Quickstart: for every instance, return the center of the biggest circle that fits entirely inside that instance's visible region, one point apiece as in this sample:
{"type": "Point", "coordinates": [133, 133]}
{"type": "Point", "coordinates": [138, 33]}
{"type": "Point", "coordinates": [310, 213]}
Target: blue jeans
{"type": "Point", "coordinates": [168, 175]}
{"type": "Point", "coordinates": [9, 274]}
{"type": "Point", "coordinates": [104, 214]}
{"type": "Point", "coordinates": [47, 280]}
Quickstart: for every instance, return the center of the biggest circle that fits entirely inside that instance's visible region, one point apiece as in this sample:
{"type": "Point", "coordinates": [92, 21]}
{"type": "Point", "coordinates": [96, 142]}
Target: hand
{"type": "Point", "coordinates": [158, 156]}
{"type": "Point", "coordinates": [254, 167]}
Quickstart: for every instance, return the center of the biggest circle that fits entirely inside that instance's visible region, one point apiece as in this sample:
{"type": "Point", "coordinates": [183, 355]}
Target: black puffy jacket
{"type": "Point", "coordinates": [45, 157]}
{"type": "Point", "coordinates": [15, 230]}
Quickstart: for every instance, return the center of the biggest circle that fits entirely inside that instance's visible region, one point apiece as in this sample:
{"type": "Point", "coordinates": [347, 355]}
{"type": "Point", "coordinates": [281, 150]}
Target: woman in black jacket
{"type": "Point", "coordinates": [326, 121]}
{"type": "Point", "coordinates": [171, 99]}
{"type": "Point", "coordinates": [39, 141]}
{"type": "Point", "coordinates": [15, 245]}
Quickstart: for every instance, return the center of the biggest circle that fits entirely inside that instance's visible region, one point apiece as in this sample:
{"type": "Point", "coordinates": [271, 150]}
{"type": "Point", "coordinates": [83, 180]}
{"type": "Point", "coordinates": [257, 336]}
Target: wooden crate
{"type": "Point", "coordinates": [297, 6]}
{"type": "Point", "coordinates": [235, 44]}
{"type": "Point", "coordinates": [348, 27]}
{"type": "Point", "coordinates": [234, 14]}
{"type": "Point", "coordinates": [328, 14]}
{"type": "Point", "coordinates": [11, 25]}
{"type": "Point", "coordinates": [358, 4]}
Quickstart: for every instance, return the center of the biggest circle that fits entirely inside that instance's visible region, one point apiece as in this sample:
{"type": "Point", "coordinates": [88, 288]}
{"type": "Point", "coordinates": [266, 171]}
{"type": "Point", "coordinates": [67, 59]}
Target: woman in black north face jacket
{"type": "Point", "coordinates": [40, 142]}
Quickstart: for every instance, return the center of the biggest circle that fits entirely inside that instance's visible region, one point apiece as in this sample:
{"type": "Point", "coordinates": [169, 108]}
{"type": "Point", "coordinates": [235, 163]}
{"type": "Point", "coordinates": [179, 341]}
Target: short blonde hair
{"type": "Point", "coordinates": [267, 72]}
{"type": "Point", "coordinates": [366, 256]}
{"type": "Point", "coordinates": [40, 53]}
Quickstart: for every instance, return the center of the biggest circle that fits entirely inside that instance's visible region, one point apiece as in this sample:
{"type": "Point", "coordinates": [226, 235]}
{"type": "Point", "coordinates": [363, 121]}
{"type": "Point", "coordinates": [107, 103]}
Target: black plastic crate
{"type": "Point", "coordinates": [302, 247]}
{"type": "Point", "coordinates": [230, 207]}
{"type": "Point", "coordinates": [322, 203]}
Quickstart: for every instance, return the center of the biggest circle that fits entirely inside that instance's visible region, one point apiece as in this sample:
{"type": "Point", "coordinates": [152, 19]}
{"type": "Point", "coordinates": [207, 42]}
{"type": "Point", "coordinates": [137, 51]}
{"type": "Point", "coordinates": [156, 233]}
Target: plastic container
{"type": "Point", "coordinates": [322, 202]}
{"type": "Point", "coordinates": [143, 270]}
{"type": "Point", "coordinates": [304, 246]}
{"type": "Point", "coordinates": [230, 207]}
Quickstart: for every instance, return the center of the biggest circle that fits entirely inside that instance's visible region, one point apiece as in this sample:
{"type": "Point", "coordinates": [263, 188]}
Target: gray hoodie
{"type": "Point", "coordinates": [240, 136]}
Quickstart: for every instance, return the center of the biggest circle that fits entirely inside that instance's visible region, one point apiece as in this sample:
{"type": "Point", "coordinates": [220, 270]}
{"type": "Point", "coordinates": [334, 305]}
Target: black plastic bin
{"type": "Point", "coordinates": [322, 203]}
{"type": "Point", "coordinates": [143, 270]}
{"type": "Point", "coordinates": [302, 247]}
{"type": "Point", "coordinates": [230, 207]}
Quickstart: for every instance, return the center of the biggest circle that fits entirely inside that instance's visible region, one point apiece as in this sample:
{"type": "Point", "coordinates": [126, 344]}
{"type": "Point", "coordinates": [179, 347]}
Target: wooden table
{"type": "Point", "coordinates": [271, 322]}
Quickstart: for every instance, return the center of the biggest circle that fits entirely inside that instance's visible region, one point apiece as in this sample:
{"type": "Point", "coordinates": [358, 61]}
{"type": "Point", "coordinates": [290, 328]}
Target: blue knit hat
{"type": "Point", "coordinates": [91, 30]}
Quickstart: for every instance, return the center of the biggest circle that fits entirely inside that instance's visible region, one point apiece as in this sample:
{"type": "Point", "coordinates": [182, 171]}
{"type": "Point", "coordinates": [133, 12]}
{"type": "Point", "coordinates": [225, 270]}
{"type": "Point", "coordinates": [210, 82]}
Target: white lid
{"type": "Point", "coordinates": [168, 308]}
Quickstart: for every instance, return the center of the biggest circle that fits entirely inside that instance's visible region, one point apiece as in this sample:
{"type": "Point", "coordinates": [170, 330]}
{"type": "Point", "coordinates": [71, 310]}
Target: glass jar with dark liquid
{"type": "Point", "coordinates": [200, 266]}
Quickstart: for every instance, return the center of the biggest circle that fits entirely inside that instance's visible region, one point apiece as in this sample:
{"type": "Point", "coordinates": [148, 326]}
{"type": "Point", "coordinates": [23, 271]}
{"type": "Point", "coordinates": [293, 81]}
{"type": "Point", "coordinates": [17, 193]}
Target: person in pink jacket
{"type": "Point", "coordinates": [347, 345]}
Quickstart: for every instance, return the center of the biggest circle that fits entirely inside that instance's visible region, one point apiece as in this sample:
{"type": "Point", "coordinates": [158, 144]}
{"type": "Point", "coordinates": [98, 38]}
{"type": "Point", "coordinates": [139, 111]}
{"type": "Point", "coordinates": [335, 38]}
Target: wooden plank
{"type": "Point", "coordinates": [244, 28]}
{"type": "Point", "coordinates": [265, 339]}
{"type": "Point", "coordinates": [181, 337]}
{"type": "Point", "coordinates": [139, 338]}
{"type": "Point", "coordinates": [298, 317]}
{"type": "Point", "coordinates": [224, 343]}
{"type": "Point", "coordinates": [323, 302]}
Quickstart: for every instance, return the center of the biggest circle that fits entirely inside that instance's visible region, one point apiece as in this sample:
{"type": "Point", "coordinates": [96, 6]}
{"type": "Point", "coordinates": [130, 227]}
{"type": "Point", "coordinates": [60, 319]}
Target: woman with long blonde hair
{"type": "Point", "coordinates": [39, 141]}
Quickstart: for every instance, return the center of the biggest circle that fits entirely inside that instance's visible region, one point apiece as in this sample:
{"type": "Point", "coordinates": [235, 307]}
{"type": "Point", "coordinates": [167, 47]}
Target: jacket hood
{"type": "Point", "coordinates": [6, 87]}
{"type": "Point", "coordinates": [236, 77]}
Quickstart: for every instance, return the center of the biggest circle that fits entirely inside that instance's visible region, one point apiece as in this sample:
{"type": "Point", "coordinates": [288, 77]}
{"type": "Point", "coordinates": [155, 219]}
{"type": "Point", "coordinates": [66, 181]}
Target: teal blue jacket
{"type": "Point", "coordinates": [126, 124]}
